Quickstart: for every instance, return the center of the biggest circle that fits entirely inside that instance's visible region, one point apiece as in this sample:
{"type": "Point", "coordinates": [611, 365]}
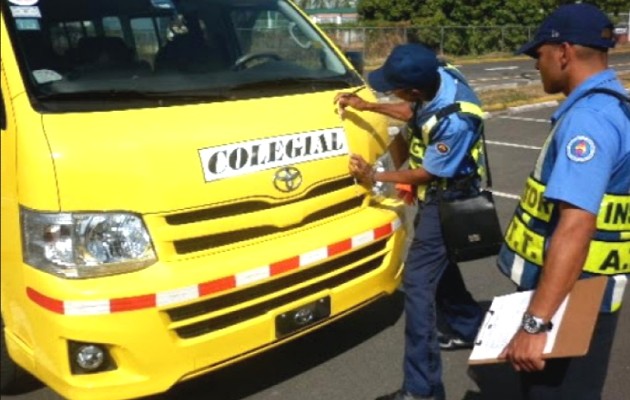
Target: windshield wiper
{"type": "Point", "coordinates": [116, 94]}
{"type": "Point", "coordinates": [312, 83]}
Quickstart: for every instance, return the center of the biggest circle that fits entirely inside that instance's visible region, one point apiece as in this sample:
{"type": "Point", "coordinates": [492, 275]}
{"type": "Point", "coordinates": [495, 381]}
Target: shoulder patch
{"type": "Point", "coordinates": [442, 148]}
{"type": "Point", "coordinates": [581, 149]}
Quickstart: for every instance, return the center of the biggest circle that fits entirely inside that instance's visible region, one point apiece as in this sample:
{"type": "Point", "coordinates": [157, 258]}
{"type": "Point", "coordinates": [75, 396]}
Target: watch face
{"type": "Point", "coordinates": [533, 325]}
{"type": "Point", "coordinates": [530, 325]}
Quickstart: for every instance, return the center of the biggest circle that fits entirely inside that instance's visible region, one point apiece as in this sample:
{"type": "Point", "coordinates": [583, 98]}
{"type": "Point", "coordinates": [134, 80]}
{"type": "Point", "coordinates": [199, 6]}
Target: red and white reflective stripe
{"type": "Point", "coordinates": [182, 295]}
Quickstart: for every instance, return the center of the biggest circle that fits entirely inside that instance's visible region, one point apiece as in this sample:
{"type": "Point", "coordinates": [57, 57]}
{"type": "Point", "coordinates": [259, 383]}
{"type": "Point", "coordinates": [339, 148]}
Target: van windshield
{"type": "Point", "coordinates": [125, 53]}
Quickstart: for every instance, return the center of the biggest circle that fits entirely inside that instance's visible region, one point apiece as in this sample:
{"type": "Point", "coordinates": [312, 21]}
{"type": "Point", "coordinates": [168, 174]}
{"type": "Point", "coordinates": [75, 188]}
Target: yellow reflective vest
{"type": "Point", "coordinates": [531, 228]}
{"type": "Point", "coordinates": [423, 137]}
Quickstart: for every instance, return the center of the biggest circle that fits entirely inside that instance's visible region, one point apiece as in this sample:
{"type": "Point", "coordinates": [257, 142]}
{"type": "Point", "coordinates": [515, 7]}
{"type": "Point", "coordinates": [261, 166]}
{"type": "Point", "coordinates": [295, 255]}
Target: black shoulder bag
{"type": "Point", "coordinates": [470, 226]}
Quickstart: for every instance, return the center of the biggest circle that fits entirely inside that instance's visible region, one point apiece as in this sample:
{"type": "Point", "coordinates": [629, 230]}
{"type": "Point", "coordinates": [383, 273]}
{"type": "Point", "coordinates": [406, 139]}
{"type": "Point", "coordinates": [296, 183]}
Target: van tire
{"type": "Point", "coordinates": [13, 379]}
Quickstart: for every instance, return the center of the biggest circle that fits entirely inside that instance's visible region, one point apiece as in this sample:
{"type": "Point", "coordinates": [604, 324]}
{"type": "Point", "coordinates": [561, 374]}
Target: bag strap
{"type": "Point", "coordinates": [607, 91]}
{"type": "Point", "coordinates": [455, 73]}
{"type": "Point", "coordinates": [455, 108]}
{"type": "Point", "coordinates": [486, 158]}
{"type": "Point", "coordinates": [452, 109]}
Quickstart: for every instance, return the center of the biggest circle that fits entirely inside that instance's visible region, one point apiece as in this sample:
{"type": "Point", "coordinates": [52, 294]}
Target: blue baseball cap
{"type": "Point", "coordinates": [409, 66]}
{"type": "Point", "coordinates": [582, 24]}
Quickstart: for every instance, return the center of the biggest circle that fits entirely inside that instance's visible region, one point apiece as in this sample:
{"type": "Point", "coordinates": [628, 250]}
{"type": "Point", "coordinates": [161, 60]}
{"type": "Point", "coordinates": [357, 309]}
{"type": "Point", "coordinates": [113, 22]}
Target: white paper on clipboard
{"type": "Point", "coordinates": [503, 319]}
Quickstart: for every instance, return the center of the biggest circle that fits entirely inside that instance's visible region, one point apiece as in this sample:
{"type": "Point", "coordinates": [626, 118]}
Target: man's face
{"type": "Point", "coordinates": [551, 62]}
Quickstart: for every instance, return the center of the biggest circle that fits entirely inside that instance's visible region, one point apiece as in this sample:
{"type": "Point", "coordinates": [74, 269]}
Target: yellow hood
{"type": "Point", "coordinates": [182, 157]}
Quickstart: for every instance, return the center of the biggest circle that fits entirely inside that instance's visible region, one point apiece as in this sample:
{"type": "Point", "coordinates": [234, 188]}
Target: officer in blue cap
{"type": "Point", "coordinates": [580, 228]}
{"type": "Point", "coordinates": [445, 159]}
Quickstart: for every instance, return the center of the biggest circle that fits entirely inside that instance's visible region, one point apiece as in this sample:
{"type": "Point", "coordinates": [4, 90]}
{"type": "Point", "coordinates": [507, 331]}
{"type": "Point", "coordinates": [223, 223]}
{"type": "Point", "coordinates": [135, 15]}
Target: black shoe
{"type": "Point", "coordinates": [449, 341]}
{"type": "Point", "coordinates": [402, 395]}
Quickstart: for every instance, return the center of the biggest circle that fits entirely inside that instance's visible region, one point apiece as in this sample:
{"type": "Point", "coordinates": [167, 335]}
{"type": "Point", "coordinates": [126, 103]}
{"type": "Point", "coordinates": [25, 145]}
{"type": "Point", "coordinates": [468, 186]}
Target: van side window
{"type": "Point", "coordinates": [191, 47]}
{"type": "Point", "coordinates": [112, 27]}
{"type": "Point", "coordinates": [78, 29]}
{"type": "Point", "coordinates": [65, 36]}
{"type": "Point", "coordinates": [145, 38]}
{"type": "Point", "coordinates": [272, 32]}
{"type": "Point", "coordinates": [59, 39]}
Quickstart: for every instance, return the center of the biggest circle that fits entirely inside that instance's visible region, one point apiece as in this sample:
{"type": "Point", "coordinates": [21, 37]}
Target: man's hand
{"type": "Point", "coordinates": [361, 170]}
{"type": "Point", "coordinates": [343, 100]}
{"type": "Point", "coordinates": [525, 351]}
{"type": "Point", "coordinates": [564, 260]}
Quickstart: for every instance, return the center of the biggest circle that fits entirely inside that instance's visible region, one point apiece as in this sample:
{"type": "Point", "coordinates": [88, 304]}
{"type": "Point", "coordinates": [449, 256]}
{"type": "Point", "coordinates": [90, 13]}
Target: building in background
{"type": "Point", "coordinates": [337, 16]}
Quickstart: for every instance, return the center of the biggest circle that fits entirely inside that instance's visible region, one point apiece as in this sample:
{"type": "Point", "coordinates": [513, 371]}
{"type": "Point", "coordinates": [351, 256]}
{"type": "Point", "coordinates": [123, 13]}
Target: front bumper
{"type": "Point", "coordinates": [162, 327]}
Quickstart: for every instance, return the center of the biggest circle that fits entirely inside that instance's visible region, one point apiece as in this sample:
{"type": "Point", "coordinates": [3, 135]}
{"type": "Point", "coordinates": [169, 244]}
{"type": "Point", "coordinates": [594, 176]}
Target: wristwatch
{"type": "Point", "coordinates": [533, 324]}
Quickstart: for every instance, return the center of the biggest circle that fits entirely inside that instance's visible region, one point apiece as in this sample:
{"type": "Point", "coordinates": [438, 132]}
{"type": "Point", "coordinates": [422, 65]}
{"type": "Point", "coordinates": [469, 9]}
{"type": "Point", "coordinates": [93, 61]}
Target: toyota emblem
{"type": "Point", "coordinates": [287, 179]}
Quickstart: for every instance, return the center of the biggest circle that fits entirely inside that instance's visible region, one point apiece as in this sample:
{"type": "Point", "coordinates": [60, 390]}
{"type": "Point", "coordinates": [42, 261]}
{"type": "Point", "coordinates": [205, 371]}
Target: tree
{"type": "Point", "coordinates": [468, 26]}
{"type": "Point", "coordinates": [614, 7]}
{"type": "Point", "coordinates": [458, 12]}
{"type": "Point", "coordinates": [470, 12]}
{"type": "Point", "coordinates": [388, 10]}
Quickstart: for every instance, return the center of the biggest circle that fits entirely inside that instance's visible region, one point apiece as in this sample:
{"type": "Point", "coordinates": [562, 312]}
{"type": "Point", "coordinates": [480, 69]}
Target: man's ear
{"type": "Point", "coordinates": [567, 54]}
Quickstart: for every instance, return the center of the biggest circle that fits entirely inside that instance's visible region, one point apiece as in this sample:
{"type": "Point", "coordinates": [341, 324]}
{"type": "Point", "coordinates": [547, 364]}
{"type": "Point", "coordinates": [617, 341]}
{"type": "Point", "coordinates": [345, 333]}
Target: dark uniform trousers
{"type": "Point", "coordinates": [430, 281]}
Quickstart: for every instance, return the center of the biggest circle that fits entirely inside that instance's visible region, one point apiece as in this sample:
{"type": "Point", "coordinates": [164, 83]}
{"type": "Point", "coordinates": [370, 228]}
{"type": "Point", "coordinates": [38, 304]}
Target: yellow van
{"type": "Point", "coordinates": [175, 190]}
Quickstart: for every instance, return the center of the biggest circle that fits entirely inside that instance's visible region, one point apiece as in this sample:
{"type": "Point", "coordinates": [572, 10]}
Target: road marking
{"type": "Point", "coordinates": [506, 195]}
{"type": "Point", "coordinates": [520, 146]}
{"type": "Point", "coordinates": [494, 78]}
{"type": "Point", "coordinates": [525, 119]}
{"type": "Point", "coordinates": [511, 67]}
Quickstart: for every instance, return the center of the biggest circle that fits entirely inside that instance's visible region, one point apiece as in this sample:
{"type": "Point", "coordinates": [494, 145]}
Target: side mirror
{"type": "Point", "coordinates": [356, 59]}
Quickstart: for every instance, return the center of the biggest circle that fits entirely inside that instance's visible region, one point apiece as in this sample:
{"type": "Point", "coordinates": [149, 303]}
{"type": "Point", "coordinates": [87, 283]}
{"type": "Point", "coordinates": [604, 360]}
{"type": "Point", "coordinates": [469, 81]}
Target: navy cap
{"type": "Point", "coordinates": [409, 66]}
{"type": "Point", "coordinates": [582, 24]}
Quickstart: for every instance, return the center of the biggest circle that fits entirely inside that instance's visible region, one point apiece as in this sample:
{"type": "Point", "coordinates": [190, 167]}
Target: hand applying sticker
{"type": "Point", "coordinates": [361, 170]}
{"type": "Point", "coordinates": [345, 99]}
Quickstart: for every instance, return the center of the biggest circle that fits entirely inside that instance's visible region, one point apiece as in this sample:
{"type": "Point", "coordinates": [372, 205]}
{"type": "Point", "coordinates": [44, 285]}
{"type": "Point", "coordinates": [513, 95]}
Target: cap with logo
{"type": "Point", "coordinates": [409, 66]}
{"type": "Point", "coordinates": [582, 24]}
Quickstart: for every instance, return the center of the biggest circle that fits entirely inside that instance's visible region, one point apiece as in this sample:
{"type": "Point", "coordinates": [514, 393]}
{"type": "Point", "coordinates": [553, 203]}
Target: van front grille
{"type": "Point", "coordinates": [185, 246]}
{"type": "Point", "coordinates": [250, 206]}
{"type": "Point", "coordinates": [326, 275]}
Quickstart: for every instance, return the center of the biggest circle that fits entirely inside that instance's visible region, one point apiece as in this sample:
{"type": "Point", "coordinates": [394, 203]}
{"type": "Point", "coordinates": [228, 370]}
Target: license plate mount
{"type": "Point", "coordinates": [302, 317]}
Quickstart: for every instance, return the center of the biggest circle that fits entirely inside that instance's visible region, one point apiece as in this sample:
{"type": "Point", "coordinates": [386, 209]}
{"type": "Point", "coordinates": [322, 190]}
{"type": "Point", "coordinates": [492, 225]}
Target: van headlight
{"type": "Point", "coordinates": [85, 245]}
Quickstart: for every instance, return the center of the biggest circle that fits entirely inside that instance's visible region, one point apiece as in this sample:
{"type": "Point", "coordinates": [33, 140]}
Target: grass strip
{"type": "Point", "coordinates": [501, 99]}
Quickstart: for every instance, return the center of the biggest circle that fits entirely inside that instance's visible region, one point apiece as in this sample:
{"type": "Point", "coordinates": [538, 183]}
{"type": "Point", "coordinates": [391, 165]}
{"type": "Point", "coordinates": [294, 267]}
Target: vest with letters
{"type": "Point", "coordinates": [534, 220]}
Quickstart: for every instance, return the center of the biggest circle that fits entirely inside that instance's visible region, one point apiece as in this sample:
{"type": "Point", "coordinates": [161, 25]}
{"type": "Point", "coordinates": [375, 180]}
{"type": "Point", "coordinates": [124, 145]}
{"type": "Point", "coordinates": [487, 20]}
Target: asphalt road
{"type": "Point", "coordinates": [521, 71]}
{"type": "Point", "coordinates": [360, 357]}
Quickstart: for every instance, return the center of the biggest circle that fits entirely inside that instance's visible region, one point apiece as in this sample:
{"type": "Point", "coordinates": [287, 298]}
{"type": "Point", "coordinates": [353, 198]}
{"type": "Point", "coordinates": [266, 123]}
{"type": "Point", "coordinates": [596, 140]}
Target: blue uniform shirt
{"type": "Point", "coordinates": [590, 150]}
{"type": "Point", "coordinates": [445, 156]}
{"type": "Point", "coordinates": [586, 156]}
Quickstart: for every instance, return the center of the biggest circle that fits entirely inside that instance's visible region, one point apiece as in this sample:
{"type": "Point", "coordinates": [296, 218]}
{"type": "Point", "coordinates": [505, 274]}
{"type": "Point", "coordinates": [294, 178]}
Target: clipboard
{"type": "Point", "coordinates": [575, 322]}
